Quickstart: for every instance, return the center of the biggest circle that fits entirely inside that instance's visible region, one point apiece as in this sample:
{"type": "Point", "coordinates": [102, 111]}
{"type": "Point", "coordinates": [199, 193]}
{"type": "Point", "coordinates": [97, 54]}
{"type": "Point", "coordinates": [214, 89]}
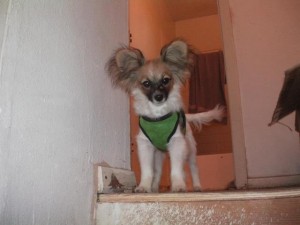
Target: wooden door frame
{"type": "Point", "coordinates": [235, 107]}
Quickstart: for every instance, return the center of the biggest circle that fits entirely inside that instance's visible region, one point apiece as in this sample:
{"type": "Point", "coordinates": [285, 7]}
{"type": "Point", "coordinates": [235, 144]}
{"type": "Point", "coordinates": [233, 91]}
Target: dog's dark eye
{"type": "Point", "coordinates": [166, 80]}
{"type": "Point", "coordinates": [146, 84]}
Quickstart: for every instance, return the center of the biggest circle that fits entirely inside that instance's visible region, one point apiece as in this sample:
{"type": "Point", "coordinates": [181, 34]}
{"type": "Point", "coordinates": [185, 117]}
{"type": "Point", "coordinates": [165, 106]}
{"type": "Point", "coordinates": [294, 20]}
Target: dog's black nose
{"type": "Point", "coordinates": [159, 97]}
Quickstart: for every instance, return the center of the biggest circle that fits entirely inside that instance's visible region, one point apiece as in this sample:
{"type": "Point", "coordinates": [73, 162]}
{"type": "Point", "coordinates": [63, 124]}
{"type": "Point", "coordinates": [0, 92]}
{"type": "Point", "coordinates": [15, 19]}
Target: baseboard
{"type": "Point", "coordinates": [271, 182]}
{"type": "Point", "coordinates": [115, 180]}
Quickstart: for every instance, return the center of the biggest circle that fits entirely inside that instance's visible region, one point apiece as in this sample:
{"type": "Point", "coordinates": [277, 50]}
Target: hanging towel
{"type": "Point", "coordinates": [207, 82]}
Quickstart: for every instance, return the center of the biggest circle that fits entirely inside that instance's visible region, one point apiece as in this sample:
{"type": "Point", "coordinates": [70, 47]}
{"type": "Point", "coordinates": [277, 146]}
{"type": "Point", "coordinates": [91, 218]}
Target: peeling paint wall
{"type": "Point", "coordinates": [59, 114]}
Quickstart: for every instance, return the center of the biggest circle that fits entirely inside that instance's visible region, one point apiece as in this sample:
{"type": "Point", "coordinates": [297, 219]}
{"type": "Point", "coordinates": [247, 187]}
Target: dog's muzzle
{"type": "Point", "coordinates": [159, 97]}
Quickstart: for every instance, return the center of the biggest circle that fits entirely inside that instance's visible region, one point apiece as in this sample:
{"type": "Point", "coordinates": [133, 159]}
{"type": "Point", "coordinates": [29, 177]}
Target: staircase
{"type": "Point", "coordinates": [269, 206]}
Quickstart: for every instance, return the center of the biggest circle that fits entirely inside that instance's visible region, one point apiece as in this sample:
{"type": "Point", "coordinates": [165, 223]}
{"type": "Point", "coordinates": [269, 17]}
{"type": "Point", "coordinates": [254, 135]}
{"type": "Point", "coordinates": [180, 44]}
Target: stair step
{"type": "Point", "coordinates": [272, 206]}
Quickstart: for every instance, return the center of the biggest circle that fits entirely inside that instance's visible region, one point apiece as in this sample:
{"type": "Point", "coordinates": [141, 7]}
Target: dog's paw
{"type": "Point", "coordinates": [197, 189]}
{"type": "Point", "coordinates": [141, 189]}
{"type": "Point", "coordinates": [179, 188]}
{"type": "Point", "coordinates": [155, 189]}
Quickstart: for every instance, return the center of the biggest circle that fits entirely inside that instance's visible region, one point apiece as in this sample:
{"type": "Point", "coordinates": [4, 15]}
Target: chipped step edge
{"type": "Point", "coordinates": [261, 194]}
{"type": "Point", "coordinates": [115, 180]}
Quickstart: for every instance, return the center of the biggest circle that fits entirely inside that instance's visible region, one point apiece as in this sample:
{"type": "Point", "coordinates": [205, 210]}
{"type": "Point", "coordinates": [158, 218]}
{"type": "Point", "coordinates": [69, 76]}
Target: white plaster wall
{"type": "Point", "coordinates": [3, 14]}
{"type": "Point", "coordinates": [59, 114]}
{"type": "Point", "coordinates": [266, 36]}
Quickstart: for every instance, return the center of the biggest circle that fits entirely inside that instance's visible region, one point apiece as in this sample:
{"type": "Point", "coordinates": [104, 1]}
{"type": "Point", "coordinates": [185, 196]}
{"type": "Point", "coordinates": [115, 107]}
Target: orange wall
{"type": "Point", "coordinates": [151, 26]}
{"type": "Point", "coordinates": [203, 33]}
{"type": "Point", "coordinates": [213, 142]}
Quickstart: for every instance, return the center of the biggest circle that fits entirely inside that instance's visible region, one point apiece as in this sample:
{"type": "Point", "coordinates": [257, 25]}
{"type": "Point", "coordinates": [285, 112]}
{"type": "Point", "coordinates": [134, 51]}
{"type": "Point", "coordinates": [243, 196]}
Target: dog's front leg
{"type": "Point", "coordinates": [146, 156]}
{"type": "Point", "coordinates": [178, 153]}
{"type": "Point", "coordinates": [158, 161]}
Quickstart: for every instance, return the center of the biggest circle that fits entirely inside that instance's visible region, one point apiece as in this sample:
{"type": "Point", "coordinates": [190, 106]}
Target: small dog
{"type": "Point", "coordinates": [155, 86]}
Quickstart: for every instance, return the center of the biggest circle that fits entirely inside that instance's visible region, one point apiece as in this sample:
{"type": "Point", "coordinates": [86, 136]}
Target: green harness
{"type": "Point", "coordinates": [159, 131]}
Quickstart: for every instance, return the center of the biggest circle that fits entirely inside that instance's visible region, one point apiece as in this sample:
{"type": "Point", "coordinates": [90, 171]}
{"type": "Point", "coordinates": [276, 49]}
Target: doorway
{"type": "Point", "coordinates": [152, 24]}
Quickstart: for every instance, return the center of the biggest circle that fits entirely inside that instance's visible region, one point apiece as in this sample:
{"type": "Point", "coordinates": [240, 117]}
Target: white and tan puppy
{"type": "Point", "coordinates": [155, 86]}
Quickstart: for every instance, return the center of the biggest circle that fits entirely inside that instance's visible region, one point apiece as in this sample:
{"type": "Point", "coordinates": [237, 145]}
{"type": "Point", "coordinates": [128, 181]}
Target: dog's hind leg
{"type": "Point", "coordinates": [194, 173]}
{"type": "Point", "coordinates": [158, 162]}
{"type": "Point", "coordinates": [192, 159]}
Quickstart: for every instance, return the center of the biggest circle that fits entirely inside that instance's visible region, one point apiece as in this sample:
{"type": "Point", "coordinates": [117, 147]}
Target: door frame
{"type": "Point", "coordinates": [235, 107]}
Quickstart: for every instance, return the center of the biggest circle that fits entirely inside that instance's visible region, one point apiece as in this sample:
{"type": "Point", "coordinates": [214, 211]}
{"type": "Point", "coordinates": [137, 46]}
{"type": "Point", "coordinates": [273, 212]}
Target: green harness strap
{"type": "Point", "coordinates": [160, 131]}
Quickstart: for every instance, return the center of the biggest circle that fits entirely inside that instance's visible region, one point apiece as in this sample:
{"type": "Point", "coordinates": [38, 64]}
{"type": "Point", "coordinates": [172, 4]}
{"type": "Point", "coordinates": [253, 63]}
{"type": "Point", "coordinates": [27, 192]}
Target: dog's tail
{"type": "Point", "coordinates": [198, 119]}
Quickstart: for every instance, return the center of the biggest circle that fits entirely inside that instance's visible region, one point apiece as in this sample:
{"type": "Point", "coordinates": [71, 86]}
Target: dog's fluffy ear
{"type": "Point", "coordinates": [177, 56]}
{"type": "Point", "coordinates": [123, 65]}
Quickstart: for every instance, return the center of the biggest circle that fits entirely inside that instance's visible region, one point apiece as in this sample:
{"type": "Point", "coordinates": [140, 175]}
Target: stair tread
{"type": "Point", "coordinates": [235, 195]}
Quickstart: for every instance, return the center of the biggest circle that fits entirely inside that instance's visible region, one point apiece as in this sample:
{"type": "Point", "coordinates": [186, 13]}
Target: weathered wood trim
{"type": "Point", "coordinates": [197, 197]}
{"type": "Point", "coordinates": [114, 180]}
